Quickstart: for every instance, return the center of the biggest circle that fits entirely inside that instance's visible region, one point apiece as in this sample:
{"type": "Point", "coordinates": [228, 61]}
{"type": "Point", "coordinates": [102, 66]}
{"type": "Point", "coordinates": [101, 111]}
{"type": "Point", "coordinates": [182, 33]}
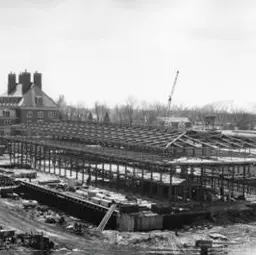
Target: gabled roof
{"type": "Point", "coordinates": [29, 98]}
{"type": "Point", "coordinates": [15, 93]}
{"type": "Point", "coordinates": [10, 101]}
{"type": "Point", "coordinates": [16, 99]}
{"type": "Point", "coordinates": [13, 99]}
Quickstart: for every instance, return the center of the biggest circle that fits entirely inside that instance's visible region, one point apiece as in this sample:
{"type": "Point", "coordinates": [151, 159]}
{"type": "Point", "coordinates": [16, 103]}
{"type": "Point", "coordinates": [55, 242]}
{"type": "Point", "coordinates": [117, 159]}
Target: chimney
{"type": "Point", "coordinates": [38, 79]}
{"type": "Point", "coordinates": [25, 80]}
{"type": "Point", "coordinates": [11, 82]}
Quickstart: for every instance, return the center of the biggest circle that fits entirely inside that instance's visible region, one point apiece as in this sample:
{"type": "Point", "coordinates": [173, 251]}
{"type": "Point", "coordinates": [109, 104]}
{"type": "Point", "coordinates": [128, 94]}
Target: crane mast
{"type": "Point", "coordinates": [171, 95]}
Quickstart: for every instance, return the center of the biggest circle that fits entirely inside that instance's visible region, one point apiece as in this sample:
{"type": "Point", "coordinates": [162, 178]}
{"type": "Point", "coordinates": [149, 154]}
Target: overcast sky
{"type": "Point", "coordinates": [107, 50]}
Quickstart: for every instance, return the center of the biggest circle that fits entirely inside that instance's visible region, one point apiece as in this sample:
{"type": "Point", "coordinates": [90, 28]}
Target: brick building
{"type": "Point", "coordinates": [25, 101]}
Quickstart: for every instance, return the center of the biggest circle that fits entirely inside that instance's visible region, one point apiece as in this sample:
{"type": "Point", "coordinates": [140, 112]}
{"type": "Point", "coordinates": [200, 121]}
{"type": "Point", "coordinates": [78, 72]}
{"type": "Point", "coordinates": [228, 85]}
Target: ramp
{"type": "Point", "coordinates": [106, 218]}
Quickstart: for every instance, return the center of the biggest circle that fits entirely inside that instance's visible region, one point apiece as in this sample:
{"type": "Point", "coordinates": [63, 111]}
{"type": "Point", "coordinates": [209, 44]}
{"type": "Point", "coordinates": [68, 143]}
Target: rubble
{"type": "Point", "coordinates": [35, 241]}
{"type": "Point", "coordinates": [153, 239]}
{"type": "Point", "coordinates": [10, 238]}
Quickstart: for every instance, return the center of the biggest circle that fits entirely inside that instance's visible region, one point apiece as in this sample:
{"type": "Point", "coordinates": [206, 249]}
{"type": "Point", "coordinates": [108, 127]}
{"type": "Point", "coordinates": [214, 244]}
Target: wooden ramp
{"type": "Point", "coordinates": [106, 218]}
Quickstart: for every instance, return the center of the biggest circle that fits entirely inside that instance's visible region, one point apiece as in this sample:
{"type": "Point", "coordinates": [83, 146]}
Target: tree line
{"type": "Point", "coordinates": [144, 113]}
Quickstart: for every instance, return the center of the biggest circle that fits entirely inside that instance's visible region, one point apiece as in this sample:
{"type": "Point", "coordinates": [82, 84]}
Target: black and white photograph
{"type": "Point", "coordinates": [127, 127]}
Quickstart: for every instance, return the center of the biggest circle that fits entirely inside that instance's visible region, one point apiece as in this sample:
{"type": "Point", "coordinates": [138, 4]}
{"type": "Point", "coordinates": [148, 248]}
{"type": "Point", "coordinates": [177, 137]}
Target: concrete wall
{"type": "Point", "coordinates": [178, 220]}
{"type": "Point", "coordinates": [76, 209]}
{"type": "Point", "coordinates": [126, 222]}
{"type": "Point", "coordinates": [147, 222]}
{"type": "Point", "coordinates": [140, 222]}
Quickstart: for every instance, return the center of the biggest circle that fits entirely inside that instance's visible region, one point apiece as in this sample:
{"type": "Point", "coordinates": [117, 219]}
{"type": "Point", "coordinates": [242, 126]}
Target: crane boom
{"type": "Point", "coordinates": [171, 95]}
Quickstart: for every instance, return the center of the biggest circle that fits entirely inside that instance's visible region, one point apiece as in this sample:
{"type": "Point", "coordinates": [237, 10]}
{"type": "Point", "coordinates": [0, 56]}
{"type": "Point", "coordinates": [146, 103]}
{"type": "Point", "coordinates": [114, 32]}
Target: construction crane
{"type": "Point", "coordinates": [171, 95]}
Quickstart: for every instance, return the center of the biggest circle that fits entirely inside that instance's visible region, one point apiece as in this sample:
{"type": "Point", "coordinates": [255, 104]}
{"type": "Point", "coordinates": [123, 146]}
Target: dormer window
{"type": "Point", "coordinates": [6, 113]}
{"type": "Point", "coordinates": [39, 100]}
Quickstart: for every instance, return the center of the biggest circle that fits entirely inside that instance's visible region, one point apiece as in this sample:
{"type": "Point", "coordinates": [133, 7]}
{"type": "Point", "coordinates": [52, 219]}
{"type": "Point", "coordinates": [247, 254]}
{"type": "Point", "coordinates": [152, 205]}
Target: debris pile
{"type": "Point", "coordinates": [43, 213]}
{"type": "Point", "coordinates": [153, 239]}
{"type": "Point", "coordinates": [10, 239]}
{"type": "Point", "coordinates": [35, 241]}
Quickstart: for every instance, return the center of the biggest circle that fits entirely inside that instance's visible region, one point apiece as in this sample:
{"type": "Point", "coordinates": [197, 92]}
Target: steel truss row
{"type": "Point", "coordinates": [139, 138]}
{"type": "Point", "coordinates": [156, 179]}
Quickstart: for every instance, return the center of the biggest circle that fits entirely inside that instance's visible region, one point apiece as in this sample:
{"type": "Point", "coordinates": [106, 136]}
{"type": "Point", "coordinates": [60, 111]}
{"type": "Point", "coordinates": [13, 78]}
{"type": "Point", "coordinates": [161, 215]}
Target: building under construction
{"type": "Point", "coordinates": [166, 165]}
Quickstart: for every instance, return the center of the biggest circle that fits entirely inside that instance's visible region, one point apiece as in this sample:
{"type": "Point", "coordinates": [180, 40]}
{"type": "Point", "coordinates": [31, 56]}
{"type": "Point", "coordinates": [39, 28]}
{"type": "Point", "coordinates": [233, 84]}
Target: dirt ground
{"type": "Point", "coordinates": [238, 231]}
{"type": "Point", "coordinates": [66, 242]}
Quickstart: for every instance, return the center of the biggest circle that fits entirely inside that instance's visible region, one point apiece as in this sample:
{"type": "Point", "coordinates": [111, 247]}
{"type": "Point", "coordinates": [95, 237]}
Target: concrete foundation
{"type": "Point", "coordinates": [140, 222]}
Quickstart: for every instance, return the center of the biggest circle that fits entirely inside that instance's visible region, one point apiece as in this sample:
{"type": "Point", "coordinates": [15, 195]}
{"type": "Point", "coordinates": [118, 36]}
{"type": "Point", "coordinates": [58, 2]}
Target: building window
{"type": "Point", "coordinates": [29, 114]}
{"type": "Point", "coordinates": [52, 114]}
{"type": "Point", "coordinates": [7, 122]}
{"type": "Point", "coordinates": [39, 100]}
{"type": "Point", "coordinates": [40, 114]}
{"type": "Point", "coordinates": [6, 113]}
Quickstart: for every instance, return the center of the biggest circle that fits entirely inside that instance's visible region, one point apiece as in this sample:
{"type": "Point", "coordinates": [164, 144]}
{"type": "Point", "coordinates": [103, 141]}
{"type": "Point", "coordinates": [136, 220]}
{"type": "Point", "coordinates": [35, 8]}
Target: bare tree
{"type": "Point", "coordinates": [100, 111]}
{"type": "Point", "coordinates": [118, 114]}
{"type": "Point", "coordinates": [129, 109]}
{"type": "Point", "coordinates": [152, 114]}
{"type": "Point", "coordinates": [106, 118]}
{"type": "Point", "coordinates": [61, 102]}
{"type": "Point", "coordinates": [89, 117]}
{"type": "Point", "coordinates": [243, 120]}
{"type": "Point", "coordinates": [147, 114]}
{"type": "Point", "coordinates": [97, 110]}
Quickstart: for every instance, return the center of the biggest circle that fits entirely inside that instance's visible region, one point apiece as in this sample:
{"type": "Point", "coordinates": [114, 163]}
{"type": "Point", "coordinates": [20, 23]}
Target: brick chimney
{"type": "Point", "coordinates": [25, 80]}
{"type": "Point", "coordinates": [37, 78]}
{"type": "Point", "coordinates": [11, 82]}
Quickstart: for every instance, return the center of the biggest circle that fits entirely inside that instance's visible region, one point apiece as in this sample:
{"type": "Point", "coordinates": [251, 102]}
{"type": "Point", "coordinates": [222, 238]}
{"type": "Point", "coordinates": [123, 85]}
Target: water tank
{"type": "Point", "coordinates": [11, 82]}
{"type": "Point", "coordinates": [25, 80]}
{"type": "Point", "coordinates": [38, 79]}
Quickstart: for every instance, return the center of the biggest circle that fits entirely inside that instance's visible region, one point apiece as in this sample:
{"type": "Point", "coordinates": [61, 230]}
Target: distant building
{"type": "Point", "coordinates": [210, 121]}
{"type": "Point", "coordinates": [175, 122]}
{"type": "Point", "coordinates": [25, 101]}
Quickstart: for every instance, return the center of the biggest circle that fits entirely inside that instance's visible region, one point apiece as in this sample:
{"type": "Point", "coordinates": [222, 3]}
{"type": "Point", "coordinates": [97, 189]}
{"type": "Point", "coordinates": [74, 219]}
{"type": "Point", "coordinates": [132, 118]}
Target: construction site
{"type": "Point", "coordinates": [90, 187]}
{"type": "Point", "coordinates": [127, 178]}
